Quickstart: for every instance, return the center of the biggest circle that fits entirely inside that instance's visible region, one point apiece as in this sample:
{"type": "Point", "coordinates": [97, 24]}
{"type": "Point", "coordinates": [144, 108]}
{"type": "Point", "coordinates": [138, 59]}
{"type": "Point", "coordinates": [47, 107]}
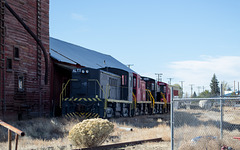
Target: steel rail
{"type": "Point", "coordinates": [124, 144]}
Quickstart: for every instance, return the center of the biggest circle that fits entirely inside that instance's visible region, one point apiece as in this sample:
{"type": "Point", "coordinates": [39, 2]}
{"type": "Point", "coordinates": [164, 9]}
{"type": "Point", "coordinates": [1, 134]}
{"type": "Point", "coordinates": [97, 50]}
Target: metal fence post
{"type": "Point", "coordinates": [221, 113]}
{"type": "Point", "coordinates": [221, 120]}
{"type": "Point", "coordinates": [172, 122]}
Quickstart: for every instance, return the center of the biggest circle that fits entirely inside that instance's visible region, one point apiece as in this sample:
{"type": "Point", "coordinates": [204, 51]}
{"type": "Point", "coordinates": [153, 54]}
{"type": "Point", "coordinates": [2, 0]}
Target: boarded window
{"type": "Point", "coordinates": [20, 83]}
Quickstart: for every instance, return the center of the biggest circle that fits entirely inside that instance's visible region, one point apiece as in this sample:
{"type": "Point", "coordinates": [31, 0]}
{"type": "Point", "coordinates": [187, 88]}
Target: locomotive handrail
{"type": "Point", "coordinates": [10, 130]}
{"type": "Point", "coordinates": [151, 98]}
{"type": "Point", "coordinates": [135, 100]}
{"type": "Point", "coordinates": [64, 91]}
{"type": "Point", "coordinates": [164, 99]}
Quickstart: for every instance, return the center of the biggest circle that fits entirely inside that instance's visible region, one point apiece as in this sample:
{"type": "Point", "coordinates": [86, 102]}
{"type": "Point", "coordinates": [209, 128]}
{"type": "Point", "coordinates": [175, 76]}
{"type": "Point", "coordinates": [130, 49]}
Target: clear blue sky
{"type": "Point", "coordinates": [186, 40]}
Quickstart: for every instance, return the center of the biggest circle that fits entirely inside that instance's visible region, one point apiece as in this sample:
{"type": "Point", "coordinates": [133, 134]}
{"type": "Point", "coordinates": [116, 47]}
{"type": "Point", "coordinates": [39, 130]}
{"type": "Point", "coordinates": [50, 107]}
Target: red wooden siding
{"type": "Point", "coordinates": [33, 100]}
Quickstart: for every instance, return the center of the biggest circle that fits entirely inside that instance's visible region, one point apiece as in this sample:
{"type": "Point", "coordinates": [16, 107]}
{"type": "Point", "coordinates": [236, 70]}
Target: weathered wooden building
{"type": "Point", "coordinates": [24, 90]}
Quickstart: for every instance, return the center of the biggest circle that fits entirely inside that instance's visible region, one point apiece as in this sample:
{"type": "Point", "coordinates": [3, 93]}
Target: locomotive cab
{"type": "Point", "coordinates": [163, 95]}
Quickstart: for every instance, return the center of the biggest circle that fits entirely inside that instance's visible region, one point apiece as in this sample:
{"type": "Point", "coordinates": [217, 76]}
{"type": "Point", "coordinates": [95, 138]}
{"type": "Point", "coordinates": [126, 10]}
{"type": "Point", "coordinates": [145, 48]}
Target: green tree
{"type": "Point", "coordinates": [205, 94]}
{"type": "Point", "coordinates": [215, 90]}
{"type": "Point", "coordinates": [233, 94]}
{"type": "Point", "coordinates": [194, 95]}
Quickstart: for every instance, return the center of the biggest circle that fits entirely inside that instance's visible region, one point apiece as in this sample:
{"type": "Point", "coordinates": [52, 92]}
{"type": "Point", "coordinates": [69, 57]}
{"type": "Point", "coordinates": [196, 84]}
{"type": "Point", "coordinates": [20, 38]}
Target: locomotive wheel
{"type": "Point", "coordinates": [137, 112]}
{"type": "Point", "coordinates": [146, 111]}
{"type": "Point", "coordinates": [154, 110]}
{"type": "Point", "coordinates": [109, 112]}
{"type": "Point", "coordinates": [125, 112]}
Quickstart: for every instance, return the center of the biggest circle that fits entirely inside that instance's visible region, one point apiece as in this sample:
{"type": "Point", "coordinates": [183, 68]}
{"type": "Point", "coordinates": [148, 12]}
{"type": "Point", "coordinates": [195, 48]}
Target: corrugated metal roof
{"type": "Point", "coordinates": [73, 54]}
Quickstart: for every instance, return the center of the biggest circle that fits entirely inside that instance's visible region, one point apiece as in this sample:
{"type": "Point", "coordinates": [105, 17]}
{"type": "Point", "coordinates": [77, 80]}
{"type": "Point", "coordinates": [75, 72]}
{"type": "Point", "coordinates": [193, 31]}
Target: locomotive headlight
{"type": "Point", "coordinates": [83, 71]}
{"type": "Point", "coordinates": [87, 71]}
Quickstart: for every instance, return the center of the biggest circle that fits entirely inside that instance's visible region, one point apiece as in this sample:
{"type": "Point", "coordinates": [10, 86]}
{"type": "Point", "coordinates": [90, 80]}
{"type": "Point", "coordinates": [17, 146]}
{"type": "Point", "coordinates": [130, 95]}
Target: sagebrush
{"type": "Point", "coordinates": [90, 132]}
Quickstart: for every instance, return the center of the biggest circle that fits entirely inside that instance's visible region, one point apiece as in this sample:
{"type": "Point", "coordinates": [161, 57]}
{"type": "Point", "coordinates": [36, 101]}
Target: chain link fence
{"type": "Point", "coordinates": [205, 124]}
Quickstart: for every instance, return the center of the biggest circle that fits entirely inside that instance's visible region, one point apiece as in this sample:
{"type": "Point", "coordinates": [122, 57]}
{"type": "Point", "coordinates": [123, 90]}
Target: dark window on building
{"type": "Point", "coordinates": [9, 64]}
{"type": "Point", "coordinates": [16, 52]}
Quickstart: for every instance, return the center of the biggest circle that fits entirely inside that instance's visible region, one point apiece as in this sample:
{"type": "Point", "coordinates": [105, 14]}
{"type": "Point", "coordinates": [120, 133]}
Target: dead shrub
{"type": "Point", "coordinates": [90, 132]}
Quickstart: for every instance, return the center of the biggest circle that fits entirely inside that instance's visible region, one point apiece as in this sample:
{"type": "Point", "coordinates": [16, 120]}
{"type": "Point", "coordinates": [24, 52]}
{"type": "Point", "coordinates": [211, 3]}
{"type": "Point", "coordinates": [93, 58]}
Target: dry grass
{"type": "Point", "coordinates": [185, 143]}
{"type": "Point", "coordinates": [44, 134]}
{"type": "Point", "coordinates": [190, 124]}
{"type": "Point", "coordinates": [41, 133]}
{"type": "Point", "coordinates": [121, 135]}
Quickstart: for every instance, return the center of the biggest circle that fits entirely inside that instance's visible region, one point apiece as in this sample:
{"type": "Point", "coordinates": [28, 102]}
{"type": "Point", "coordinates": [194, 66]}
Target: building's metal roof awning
{"type": "Point", "coordinates": [73, 54]}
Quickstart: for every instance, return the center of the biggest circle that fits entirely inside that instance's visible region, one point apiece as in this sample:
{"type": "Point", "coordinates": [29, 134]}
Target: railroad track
{"type": "Point", "coordinates": [118, 145]}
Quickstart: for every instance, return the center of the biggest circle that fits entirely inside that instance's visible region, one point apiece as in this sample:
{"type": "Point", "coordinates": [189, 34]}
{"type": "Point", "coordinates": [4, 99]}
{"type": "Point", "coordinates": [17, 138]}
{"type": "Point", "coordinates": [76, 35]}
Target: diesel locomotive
{"type": "Point", "coordinates": [113, 92]}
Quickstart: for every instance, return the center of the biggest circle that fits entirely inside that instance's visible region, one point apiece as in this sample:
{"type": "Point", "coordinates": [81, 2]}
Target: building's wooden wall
{"type": "Point", "coordinates": [33, 100]}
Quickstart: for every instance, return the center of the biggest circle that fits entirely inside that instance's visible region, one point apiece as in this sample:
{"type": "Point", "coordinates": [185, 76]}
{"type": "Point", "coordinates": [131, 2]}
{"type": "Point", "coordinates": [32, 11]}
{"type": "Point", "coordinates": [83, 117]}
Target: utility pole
{"type": "Point", "coordinates": [182, 88]}
{"type": "Point", "coordinates": [199, 87]}
{"type": "Point", "coordinates": [238, 88]}
{"type": "Point", "coordinates": [234, 87]}
{"type": "Point", "coordinates": [203, 88]}
{"type": "Point", "coordinates": [191, 88]}
{"type": "Point", "coordinates": [159, 76]}
{"type": "Point", "coordinates": [129, 65]}
{"type": "Point", "coordinates": [170, 79]}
